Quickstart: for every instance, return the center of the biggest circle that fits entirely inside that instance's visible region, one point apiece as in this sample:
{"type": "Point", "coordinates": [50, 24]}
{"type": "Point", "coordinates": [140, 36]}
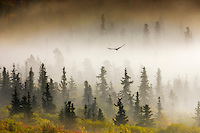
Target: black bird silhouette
{"type": "Point", "coordinates": [116, 48]}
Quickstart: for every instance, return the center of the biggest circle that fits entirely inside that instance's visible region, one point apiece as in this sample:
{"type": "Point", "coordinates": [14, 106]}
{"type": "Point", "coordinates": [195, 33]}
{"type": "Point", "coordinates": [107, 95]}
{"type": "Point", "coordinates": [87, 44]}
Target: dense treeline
{"type": "Point", "coordinates": [25, 100]}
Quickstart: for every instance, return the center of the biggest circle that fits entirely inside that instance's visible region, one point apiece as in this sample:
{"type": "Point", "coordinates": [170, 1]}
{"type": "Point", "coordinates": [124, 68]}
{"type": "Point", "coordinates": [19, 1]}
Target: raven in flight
{"type": "Point", "coordinates": [116, 48]}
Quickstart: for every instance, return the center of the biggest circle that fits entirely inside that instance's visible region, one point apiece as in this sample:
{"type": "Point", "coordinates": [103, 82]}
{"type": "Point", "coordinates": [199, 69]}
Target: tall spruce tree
{"type": "Point", "coordinates": [159, 107]}
{"type": "Point", "coordinates": [15, 103]}
{"type": "Point", "coordinates": [159, 84]}
{"type": "Point", "coordinates": [103, 85]}
{"type": "Point", "coordinates": [42, 81]}
{"type": "Point", "coordinates": [68, 115]}
{"type": "Point", "coordinates": [31, 81]}
{"type": "Point", "coordinates": [151, 95]}
{"type": "Point", "coordinates": [112, 92]}
{"type": "Point", "coordinates": [26, 106]}
{"type": "Point", "coordinates": [15, 78]}
{"type": "Point", "coordinates": [144, 88]}
{"type": "Point", "coordinates": [47, 101]}
{"type": "Point", "coordinates": [137, 108]}
{"type": "Point", "coordinates": [109, 111]}
{"type": "Point", "coordinates": [197, 117]}
{"type": "Point", "coordinates": [131, 105]}
{"type": "Point", "coordinates": [72, 88]}
{"type": "Point", "coordinates": [100, 115]}
{"type": "Point", "coordinates": [94, 109]}
{"type": "Point", "coordinates": [102, 32]}
{"type": "Point", "coordinates": [63, 85]}
{"type": "Point", "coordinates": [173, 99]}
{"type": "Point", "coordinates": [87, 96]}
{"type": "Point", "coordinates": [126, 82]}
{"type": "Point", "coordinates": [121, 117]}
{"type": "Point", "coordinates": [6, 89]}
{"type": "Point", "coordinates": [145, 118]}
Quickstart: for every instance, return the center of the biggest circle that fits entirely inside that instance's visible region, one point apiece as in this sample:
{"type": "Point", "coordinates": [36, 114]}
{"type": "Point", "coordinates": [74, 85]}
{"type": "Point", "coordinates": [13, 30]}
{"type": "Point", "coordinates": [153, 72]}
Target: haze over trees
{"type": "Point", "coordinates": [58, 75]}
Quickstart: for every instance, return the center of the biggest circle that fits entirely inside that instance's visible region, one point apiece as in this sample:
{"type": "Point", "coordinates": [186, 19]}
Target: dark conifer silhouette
{"type": "Point", "coordinates": [197, 117]}
{"type": "Point", "coordinates": [112, 92]}
{"type": "Point", "coordinates": [94, 109]}
{"type": "Point", "coordinates": [15, 80]}
{"type": "Point", "coordinates": [159, 107]}
{"type": "Point", "coordinates": [121, 117]}
{"type": "Point", "coordinates": [146, 119]}
{"type": "Point", "coordinates": [157, 29]}
{"type": "Point", "coordinates": [87, 96]}
{"type": "Point", "coordinates": [110, 107]}
{"type": "Point", "coordinates": [42, 81]}
{"type": "Point", "coordinates": [6, 89]}
{"type": "Point", "coordinates": [72, 89]}
{"type": "Point", "coordinates": [31, 81]}
{"type": "Point", "coordinates": [144, 88]}
{"type": "Point", "coordinates": [47, 101]}
{"type": "Point", "coordinates": [131, 105]}
{"type": "Point", "coordinates": [102, 29]}
{"type": "Point", "coordinates": [100, 115]}
{"type": "Point", "coordinates": [146, 32]}
{"type": "Point", "coordinates": [63, 85]}
{"type": "Point", "coordinates": [15, 103]}
{"type": "Point", "coordinates": [102, 85]}
{"type": "Point", "coordinates": [158, 84]}
{"type": "Point", "coordinates": [137, 109]}
{"type": "Point", "coordinates": [188, 35]}
{"type": "Point", "coordinates": [68, 116]}
{"type": "Point", "coordinates": [125, 93]}
{"type": "Point", "coordinates": [26, 106]}
{"type": "Point", "coordinates": [173, 99]}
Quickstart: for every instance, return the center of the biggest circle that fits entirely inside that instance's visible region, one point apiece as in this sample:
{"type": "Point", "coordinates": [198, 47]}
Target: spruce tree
{"type": "Point", "coordinates": [159, 107]}
{"type": "Point", "coordinates": [87, 96]}
{"type": "Point", "coordinates": [102, 25]}
{"type": "Point", "coordinates": [15, 103]}
{"type": "Point", "coordinates": [112, 92]}
{"type": "Point", "coordinates": [100, 115]}
{"type": "Point", "coordinates": [72, 88]}
{"type": "Point", "coordinates": [158, 84]}
{"type": "Point", "coordinates": [144, 88]}
{"type": "Point", "coordinates": [173, 99]}
{"type": "Point", "coordinates": [68, 116]}
{"type": "Point", "coordinates": [151, 95]}
{"type": "Point", "coordinates": [137, 108]}
{"type": "Point", "coordinates": [197, 118]}
{"type": "Point", "coordinates": [63, 85]}
{"type": "Point", "coordinates": [47, 101]}
{"type": "Point", "coordinates": [121, 117]}
{"type": "Point", "coordinates": [52, 87]}
{"type": "Point", "coordinates": [131, 105]}
{"type": "Point", "coordinates": [16, 81]}
{"type": "Point", "coordinates": [42, 81]}
{"type": "Point", "coordinates": [6, 89]}
{"type": "Point", "coordinates": [26, 106]}
{"type": "Point", "coordinates": [31, 81]}
{"type": "Point", "coordinates": [145, 118]}
{"type": "Point", "coordinates": [103, 85]}
{"type": "Point", "coordinates": [126, 82]}
{"type": "Point", "coordinates": [109, 111]}
{"type": "Point", "coordinates": [85, 113]}
{"type": "Point", "coordinates": [34, 102]}
{"type": "Point", "coordinates": [94, 109]}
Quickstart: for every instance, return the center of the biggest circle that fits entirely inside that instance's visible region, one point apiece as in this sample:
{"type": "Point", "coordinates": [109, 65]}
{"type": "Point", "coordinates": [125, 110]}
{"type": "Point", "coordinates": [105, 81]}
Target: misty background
{"type": "Point", "coordinates": [69, 33]}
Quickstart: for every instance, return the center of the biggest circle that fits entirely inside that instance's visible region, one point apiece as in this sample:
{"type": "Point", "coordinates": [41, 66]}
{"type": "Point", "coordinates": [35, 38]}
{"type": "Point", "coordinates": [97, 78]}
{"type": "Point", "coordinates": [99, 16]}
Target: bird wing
{"type": "Point", "coordinates": [119, 47]}
{"type": "Point", "coordinates": [112, 48]}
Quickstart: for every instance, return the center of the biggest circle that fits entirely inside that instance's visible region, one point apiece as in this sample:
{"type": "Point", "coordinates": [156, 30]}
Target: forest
{"type": "Point", "coordinates": [117, 66]}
